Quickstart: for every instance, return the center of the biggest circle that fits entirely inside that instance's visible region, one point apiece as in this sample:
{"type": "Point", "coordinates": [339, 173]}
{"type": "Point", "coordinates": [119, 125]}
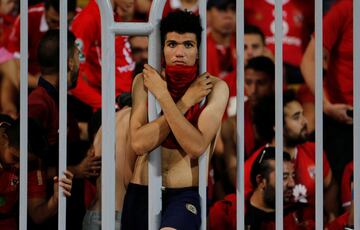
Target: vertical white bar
{"type": "Point", "coordinates": [154, 166]}
{"type": "Point", "coordinates": [204, 158]}
{"type": "Point", "coordinates": [356, 76]}
{"type": "Point", "coordinates": [23, 114]}
{"type": "Point", "coordinates": [62, 110]}
{"type": "Point", "coordinates": [108, 116]}
{"type": "Point", "coordinates": [319, 115]}
{"type": "Point", "coordinates": [279, 113]}
{"type": "Point", "coordinates": [240, 189]}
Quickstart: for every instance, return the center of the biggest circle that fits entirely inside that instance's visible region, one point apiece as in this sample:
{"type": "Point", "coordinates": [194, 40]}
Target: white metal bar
{"type": "Point", "coordinates": [23, 114]}
{"type": "Point", "coordinates": [154, 166]}
{"type": "Point", "coordinates": [62, 110]}
{"type": "Point", "coordinates": [132, 28]}
{"type": "Point", "coordinates": [356, 48]}
{"type": "Point", "coordinates": [279, 113]}
{"type": "Point", "coordinates": [240, 183]}
{"type": "Point", "coordinates": [319, 115]}
{"type": "Point", "coordinates": [108, 116]}
{"type": "Point", "coordinates": [204, 158]}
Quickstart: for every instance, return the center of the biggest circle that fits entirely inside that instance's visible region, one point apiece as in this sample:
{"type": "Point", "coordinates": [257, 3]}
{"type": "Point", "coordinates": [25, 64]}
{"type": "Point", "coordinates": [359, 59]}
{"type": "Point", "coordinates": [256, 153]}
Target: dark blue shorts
{"type": "Point", "coordinates": [180, 208]}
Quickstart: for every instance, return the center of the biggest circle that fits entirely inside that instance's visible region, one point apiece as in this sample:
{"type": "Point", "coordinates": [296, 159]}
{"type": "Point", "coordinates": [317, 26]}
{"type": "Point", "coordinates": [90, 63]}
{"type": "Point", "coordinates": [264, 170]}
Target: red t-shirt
{"type": "Point", "coordinates": [173, 5]}
{"type": "Point", "coordinates": [297, 25]}
{"type": "Point", "coordinates": [338, 40]}
{"type": "Point", "coordinates": [87, 29]}
{"type": "Point", "coordinates": [305, 172]}
{"type": "Point", "coordinates": [346, 191]}
{"type": "Point", "coordinates": [9, 194]}
{"type": "Point", "coordinates": [37, 28]}
{"type": "Point", "coordinates": [223, 216]}
{"type": "Point", "coordinates": [6, 24]}
{"type": "Point", "coordinates": [339, 223]}
{"type": "Point", "coordinates": [221, 60]}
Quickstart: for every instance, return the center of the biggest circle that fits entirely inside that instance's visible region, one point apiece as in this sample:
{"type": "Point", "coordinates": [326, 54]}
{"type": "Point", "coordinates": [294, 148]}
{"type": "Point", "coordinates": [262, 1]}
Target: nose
{"type": "Point", "coordinates": [291, 182]}
{"type": "Point", "coordinates": [179, 51]}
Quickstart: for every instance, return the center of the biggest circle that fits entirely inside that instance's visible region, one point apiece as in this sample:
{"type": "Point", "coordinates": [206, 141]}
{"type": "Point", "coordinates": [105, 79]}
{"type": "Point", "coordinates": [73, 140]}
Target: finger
{"type": "Point", "coordinates": [67, 193]}
{"type": "Point", "coordinates": [56, 179]}
{"type": "Point", "coordinates": [66, 181]}
{"type": "Point", "coordinates": [68, 174]}
{"type": "Point", "coordinates": [97, 168]}
{"type": "Point", "coordinates": [66, 188]}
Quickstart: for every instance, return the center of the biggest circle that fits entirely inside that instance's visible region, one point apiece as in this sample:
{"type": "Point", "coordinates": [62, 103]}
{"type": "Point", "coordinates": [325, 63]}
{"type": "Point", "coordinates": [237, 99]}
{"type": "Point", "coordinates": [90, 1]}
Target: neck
{"type": "Point", "coordinates": [221, 39]}
{"type": "Point", "coordinates": [53, 79]}
{"type": "Point", "coordinates": [290, 149]}
{"type": "Point", "coordinates": [257, 201]}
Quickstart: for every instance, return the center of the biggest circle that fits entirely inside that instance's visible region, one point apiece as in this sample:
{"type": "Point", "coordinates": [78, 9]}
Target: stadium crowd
{"type": "Point", "coordinates": [198, 114]}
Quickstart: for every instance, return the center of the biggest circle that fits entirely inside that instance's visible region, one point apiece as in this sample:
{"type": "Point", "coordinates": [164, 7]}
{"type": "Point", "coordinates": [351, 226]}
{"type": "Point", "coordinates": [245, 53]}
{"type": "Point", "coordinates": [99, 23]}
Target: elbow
{"type": "Point", "coordinates": [138, 147]}
{"type": "Point", "coordinates": [196, 151]}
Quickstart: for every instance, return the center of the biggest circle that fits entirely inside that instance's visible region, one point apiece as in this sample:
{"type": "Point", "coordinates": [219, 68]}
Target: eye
{"type": "Point", "coordinates": [171, 44]}
{"type": "Point", "coordinates": [188, 44]}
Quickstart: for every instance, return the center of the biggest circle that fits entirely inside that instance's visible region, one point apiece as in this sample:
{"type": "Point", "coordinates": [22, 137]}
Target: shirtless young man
{"type": "Point", "coordinates": [185, 130]}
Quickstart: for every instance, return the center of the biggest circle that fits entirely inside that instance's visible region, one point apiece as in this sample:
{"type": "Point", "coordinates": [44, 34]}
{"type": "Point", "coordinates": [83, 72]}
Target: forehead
{"type": "Point", "coordinates": [256, 75]}
{"type": "Point", "coordinates": [292, 107]}
{"type": "Point", "coordinates": [174, 36]}
{"type": "Point", "coordinates": [255, 38]}
{"type": "Point", "coordinates": [289, 167]}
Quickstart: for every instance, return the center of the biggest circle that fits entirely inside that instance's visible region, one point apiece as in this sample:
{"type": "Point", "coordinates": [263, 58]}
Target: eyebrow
{"type": "Point", "coordinates": [174, 41]}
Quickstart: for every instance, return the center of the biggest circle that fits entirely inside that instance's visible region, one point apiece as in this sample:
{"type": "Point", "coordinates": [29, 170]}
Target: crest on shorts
{"type": "Point", "coordinates": [191, 208]}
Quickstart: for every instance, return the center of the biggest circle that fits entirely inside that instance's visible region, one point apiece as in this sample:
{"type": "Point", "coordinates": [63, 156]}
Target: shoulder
{"type": "Point", "coordinates": [220, 90]}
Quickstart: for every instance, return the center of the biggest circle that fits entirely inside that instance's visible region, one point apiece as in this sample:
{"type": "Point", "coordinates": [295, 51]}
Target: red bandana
{"type": "Point", "coordinates": [179, 79]}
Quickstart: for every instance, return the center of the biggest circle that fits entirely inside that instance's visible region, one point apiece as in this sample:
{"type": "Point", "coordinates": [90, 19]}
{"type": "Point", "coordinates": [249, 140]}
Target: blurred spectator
{"type": "Point", "coordinates": [41, 18]}
{"type": "Point", "coordinates": [8, 68]}
{"type": "Point", "coordinates": [301, 151]}
{"type": "Point", "coordinates": [221, 57]}
{"type": "Point", "coordinates": [338, 83]}
{"type": "Point", "coordinates": [87, 29]}
{"type": "Point", "coordinates": [259, 82]}
{"type": "Point", "coordinates": [139, 52]}
{"type": "Point", "coordinates": [298, 21]}
{"type": "Point", "coordinates": [44, 108]}
{"type": "Point", "coordinates": [347, 186]}
{"type": "Point", "coordinates": [173, 5]}
{"type": "Point", "coordinates": [260, 209]}
{"type": "Point", "coordinates": [40, 206]}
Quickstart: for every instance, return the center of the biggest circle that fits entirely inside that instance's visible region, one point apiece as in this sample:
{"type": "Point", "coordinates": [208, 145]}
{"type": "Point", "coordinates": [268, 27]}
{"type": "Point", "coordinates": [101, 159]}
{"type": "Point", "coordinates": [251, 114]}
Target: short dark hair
{"type": "Point", "coordinates": [220, 4]}
{"type": "Point", "coordinates": [289, 96]}
{"type": "Point", "coordinates": [262, 64]}
{"type": "Point", "coordinates": [251, 29]}
{"type": "Point", "coordinates": [37, 141]}
{"type": "Point", "coordinates": [264, 117]}
{"type": "Point", "coordinates": [181, 22]}
{"type": "Point", "coordinates": [56, 5]}
{"type": "Point", "coordinates": [49, 51]}
{"type": "Point", "coordinates": [262, 166]}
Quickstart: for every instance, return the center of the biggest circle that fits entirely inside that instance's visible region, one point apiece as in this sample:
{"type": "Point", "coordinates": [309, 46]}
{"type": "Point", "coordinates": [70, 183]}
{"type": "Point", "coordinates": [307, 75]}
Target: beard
{"type": "Point", "coordinates": [292, 140]}
{"type": "Point", "coordinates": [269, 196]}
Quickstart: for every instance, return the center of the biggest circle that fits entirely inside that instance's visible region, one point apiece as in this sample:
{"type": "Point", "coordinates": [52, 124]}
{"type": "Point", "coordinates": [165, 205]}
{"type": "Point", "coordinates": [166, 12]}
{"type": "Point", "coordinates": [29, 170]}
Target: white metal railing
{"type": "Point", "coordinates": [279, 112]}
{"type": "Point", "coordinates": [319, 184]}
{"type": "Point", "coordinates": [356, 48]}
{"type": "Point", "coordinates": [240, 126]}
{"type": "Point", "coordinates": [63, 109]}
{"type": "Point", "coordinates": [23, 115]}
{"type": "Point", "coordinates": [109, 30]}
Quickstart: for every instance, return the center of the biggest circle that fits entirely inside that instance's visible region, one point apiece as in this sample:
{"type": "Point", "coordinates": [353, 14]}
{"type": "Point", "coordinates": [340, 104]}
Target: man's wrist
{"type": "Point", "coordinates": [182, 106]}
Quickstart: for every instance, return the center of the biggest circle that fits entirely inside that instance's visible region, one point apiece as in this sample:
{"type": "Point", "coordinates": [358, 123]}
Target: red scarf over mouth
{"type": "Point", "coordinates": [179, 79]}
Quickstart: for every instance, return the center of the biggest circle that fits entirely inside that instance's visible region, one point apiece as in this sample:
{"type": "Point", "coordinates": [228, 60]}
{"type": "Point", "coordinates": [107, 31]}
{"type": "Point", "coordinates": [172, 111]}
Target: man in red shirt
{"type": "Point", "coordinates": [338, 83]}
{"type": "Point", "coordinates": [40, 207]}
{"type": "Point", "coordinates": [297, 26]}
{"type": "Point", "coordinates": [41, 18]}
{"type": "Point", "coordinates": [260, 209]}
{"type": "Point", "coordinates": [87, 29]}
{"type": "Point", "coordinates": [301, 151]}
{"type": "Point", "coordinates": [259, 82]}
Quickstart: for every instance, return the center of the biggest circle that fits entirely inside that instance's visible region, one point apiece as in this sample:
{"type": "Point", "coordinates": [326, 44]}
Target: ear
{"type": "Point", "coordinates": [71, 64]}
{"type": "Point", "coordinates": [260, 182]}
